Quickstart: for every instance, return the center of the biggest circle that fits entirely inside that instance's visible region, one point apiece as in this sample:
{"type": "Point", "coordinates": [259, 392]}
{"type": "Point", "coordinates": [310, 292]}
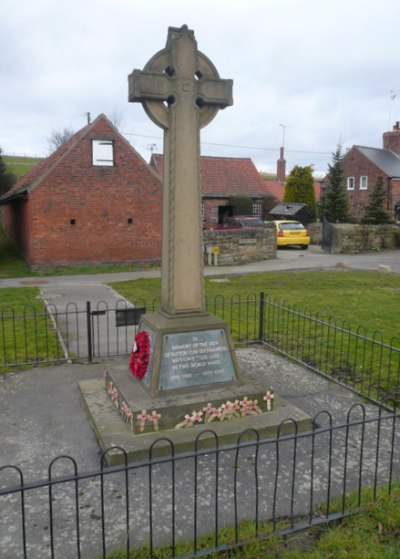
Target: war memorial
{"type": "Point", "coordinates": [184, 371]}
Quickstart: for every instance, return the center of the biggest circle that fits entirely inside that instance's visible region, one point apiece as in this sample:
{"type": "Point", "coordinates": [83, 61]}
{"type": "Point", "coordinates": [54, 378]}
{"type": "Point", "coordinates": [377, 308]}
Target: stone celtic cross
{"type": "Point", "coordinates": [181, 91]}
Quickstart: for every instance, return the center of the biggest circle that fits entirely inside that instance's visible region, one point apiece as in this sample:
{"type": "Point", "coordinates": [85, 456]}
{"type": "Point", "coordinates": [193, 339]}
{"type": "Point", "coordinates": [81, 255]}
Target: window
{"type": "Point", "coordinates": [202, 212]}
{"type": "Point", "coordinates": [363, 183]}
{"type": "Point", "coordinates": [350, 183]}
{"type": "Point", "coordinates": [257, 210]}
{"type": "Point", "coordinates": [103, 153]}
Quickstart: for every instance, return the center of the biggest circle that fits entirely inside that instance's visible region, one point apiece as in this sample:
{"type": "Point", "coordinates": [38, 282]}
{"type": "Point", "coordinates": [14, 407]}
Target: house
{"type": "Point", "coordinates": [221, 179]}
{"type": "Point", "coordinates": [94, 200]}
{"type": "Point", "coordinates": [363, 166]}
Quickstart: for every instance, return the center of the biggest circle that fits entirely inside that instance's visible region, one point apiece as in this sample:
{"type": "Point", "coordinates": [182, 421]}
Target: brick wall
{"type": "Point", "coordinates": [391, 139]}
{"type": "Point", "coordinates": [211, 209]}
{"type": "Point", "coordinates": [85, 214]}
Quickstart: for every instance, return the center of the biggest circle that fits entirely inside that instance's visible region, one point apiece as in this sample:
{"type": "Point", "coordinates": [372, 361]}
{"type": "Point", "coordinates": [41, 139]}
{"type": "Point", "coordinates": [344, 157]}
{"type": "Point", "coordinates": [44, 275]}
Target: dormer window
{"type": "Point", "coordinates": [103, 153]}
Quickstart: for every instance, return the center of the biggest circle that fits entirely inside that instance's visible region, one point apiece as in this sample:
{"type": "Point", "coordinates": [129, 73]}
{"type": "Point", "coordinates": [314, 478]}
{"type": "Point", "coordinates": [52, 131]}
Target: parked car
{"type": "Point", "coordinates": [291, 233]}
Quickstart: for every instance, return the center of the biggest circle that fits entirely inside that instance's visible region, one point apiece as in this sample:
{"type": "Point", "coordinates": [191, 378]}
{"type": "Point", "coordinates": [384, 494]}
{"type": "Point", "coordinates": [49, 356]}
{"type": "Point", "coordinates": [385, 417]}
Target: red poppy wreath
{"type": "Point", "coordinates": [140, 354]}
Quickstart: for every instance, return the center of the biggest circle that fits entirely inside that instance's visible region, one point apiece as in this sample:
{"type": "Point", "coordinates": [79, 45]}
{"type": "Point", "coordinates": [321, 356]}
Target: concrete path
{"type": "Point", "coordinates": [287, 259]}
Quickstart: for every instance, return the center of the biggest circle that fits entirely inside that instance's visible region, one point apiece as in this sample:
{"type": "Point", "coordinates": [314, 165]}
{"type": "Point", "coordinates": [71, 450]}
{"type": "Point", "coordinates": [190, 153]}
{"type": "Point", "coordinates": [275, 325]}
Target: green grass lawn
{"type": "Point", "coordinates": [362, 298]}
{"type": "Point", "coordinates": [373, 533]}
{"type": "Point", "coordinates": [26, 331]}
{"type": "Point", "coordinates": [325, 319]}
{"type": "Point", "coordinates": [20, 165]}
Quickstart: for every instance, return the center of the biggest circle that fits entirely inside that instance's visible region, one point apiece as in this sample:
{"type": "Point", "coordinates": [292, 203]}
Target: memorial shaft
{"type": "Point", "coordinates": [181, 91]}
{"type": "Point", "coordinates": [182, 274]}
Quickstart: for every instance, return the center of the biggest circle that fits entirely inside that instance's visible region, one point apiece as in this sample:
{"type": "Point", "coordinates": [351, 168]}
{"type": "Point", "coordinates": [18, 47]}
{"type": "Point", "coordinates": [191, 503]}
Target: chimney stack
{"type": "Point", "coordinates": [281, 166]}
{"type": "Point", "coordinates": [391, 140]}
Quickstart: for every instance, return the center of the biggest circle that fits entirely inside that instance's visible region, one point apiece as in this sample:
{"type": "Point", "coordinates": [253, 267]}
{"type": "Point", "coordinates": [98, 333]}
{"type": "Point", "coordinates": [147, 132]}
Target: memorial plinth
{"type": "Point", "coordinates": [188, 351]}
{"type": "Point", "coordinates": [172, 405]}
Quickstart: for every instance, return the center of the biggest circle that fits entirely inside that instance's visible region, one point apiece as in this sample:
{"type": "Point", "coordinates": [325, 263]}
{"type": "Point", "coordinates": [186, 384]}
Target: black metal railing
{"type": "Point", "coordinates": [365, 362]}
{"type": "Point", "coordinates": [205, 500]}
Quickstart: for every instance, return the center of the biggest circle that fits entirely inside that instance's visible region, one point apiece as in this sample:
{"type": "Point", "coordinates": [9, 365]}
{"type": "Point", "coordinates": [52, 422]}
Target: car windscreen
{"type": "Point", "coordinates": [291, 226]}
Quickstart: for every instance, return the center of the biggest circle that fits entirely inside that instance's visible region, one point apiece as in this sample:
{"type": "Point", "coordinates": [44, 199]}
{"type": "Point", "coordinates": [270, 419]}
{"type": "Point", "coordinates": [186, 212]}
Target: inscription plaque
{"type": "Point", "coordinates": [195, 358]}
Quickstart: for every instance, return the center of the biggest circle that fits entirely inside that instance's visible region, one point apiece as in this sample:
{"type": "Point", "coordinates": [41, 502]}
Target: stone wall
{"type": "Point", "coordinates": [315, 232]}
{"type": "Point", "coordinates": [240, 246]}
{"type": "Point", "coordinates": [350, 239]}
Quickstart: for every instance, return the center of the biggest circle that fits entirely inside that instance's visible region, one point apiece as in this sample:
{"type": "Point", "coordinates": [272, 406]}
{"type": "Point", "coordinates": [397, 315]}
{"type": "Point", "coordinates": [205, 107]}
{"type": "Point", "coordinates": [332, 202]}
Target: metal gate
{"type": "Point", "coordinates": [327, 234]}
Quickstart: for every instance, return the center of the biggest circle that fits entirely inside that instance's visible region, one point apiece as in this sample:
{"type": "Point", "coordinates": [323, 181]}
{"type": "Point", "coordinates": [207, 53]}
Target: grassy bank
{"type": "Point", "coordinates": [20, 165]}
{"type": "Point", "coordinates": [335, 321]}
{"type": "Point", "coordinates": [373, 533]}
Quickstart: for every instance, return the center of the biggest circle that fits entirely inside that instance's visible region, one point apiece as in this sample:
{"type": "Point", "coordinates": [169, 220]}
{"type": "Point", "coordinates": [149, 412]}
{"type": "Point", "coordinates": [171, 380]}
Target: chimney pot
{"type": "Point", "coordinates": [281, 166]}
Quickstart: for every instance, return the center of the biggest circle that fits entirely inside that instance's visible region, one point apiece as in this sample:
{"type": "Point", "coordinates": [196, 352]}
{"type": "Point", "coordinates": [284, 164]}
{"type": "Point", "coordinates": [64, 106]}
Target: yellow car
{"type": "Point", "coordinates": [291, 233]}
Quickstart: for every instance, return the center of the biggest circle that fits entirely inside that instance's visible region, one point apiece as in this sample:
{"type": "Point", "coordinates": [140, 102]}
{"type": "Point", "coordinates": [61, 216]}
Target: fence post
{"type": "Point", "coordinates": [89, 331]}
{"type": "Point", "coordinates": [261, 318]}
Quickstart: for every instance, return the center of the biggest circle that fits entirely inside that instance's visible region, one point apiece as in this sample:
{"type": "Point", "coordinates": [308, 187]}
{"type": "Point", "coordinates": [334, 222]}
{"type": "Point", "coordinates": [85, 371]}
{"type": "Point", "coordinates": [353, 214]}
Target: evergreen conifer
{"type": "Point", "coordinates": [375, 212]}
{"type": "Point", "coordinates": [299, 187]}
{"type": "Point", "coordinates": [333, 203]}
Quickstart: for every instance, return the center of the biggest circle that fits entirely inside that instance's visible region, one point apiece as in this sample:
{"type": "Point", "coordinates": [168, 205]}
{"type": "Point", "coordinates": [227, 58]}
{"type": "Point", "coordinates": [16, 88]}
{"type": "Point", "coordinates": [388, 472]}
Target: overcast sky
{"type": "Point", "coordinates": [311, 72]}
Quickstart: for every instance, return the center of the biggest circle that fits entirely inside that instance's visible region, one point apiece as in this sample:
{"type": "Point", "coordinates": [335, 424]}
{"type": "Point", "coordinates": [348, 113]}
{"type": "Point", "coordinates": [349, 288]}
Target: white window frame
{"type": "Point", "coordinates": [257, 209]}
{"type": "Point", "coordinates": [350, 183]}
{"type": "Point", "coordinates": [363, 182]}
{"type": "Point", "coordinates": [103, 153]}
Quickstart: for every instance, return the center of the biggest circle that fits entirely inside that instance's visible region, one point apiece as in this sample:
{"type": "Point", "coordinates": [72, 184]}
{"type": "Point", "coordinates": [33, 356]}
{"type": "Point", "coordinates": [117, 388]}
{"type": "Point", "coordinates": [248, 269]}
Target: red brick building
{"type": "Point", "coordinates": [222, 178]}
{"type": "Point", "coordinates": [364, 165]}
{"type": "Point", "coordinates": [94, 200]}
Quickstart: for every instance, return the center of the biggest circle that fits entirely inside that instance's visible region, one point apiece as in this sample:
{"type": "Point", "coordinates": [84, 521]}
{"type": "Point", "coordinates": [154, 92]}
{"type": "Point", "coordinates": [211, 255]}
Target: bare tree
{"type": "Point", "coordinates": [117, 117]}
{"type": "Point", "coordinates": [59, 138]}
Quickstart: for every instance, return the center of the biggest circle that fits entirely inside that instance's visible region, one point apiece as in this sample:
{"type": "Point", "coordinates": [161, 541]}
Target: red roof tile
{"type": "Point", "coordinates": [225, 176]}
{"type": "Point", "coordinates": [277, 189]}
